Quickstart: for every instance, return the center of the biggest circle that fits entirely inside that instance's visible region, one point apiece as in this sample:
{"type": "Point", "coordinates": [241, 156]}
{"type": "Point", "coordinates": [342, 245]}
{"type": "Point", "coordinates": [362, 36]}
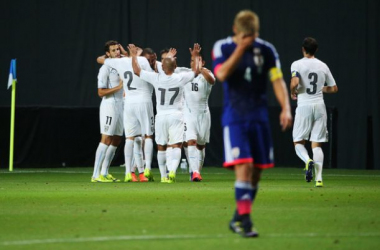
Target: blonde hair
{"type": "Point", "coordinates": [247, 21]}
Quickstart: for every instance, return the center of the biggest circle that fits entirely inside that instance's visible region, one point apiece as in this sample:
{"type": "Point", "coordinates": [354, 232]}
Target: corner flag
{"type": "Point", "coordinates": [12, 73]}
{"type": "Point", "coordinates": [12, 82]}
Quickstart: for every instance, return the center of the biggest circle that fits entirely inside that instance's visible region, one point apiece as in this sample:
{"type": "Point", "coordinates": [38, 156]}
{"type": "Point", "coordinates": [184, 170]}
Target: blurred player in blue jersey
{"type": "Point", "coordinates": [244, 63]}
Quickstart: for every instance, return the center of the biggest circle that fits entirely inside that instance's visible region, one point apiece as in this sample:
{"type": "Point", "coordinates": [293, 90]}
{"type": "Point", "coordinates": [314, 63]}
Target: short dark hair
{"type": "Point", "coordinates": [147, 51]}
{"type": "Point", "coordinates": [310, 45]}
{"type": "Point", "coordinates": [163, 51]}
{"type": "Point", "coordinates": [109, 44]}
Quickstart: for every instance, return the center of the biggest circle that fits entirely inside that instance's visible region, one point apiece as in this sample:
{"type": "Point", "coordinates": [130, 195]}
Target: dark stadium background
{"type": "Point", "coordinates": [56, 44]}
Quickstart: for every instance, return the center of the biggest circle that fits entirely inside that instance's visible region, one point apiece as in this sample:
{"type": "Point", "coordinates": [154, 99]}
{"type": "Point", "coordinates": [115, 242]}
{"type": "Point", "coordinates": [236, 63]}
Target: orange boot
{"type": "Point", "coordinates": [134, 178]}
{"type": "Point", "coordinates": [143, 178]}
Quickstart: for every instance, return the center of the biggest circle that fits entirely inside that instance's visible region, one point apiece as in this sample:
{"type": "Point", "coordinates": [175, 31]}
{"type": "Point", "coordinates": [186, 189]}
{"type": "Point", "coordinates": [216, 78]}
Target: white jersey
{"type": "Point", "coordinates": [108, 78]}
{"type": "Point", "coordinates": [313, 75]}
{"type": "Point", "coordinates": [136, 90]}
{"type": "Point", "coordinates": [177, 70]}
{"type": "Point", "coordinates": [169, 89]}
{"type": "Point", "coordinates": [197, 93]}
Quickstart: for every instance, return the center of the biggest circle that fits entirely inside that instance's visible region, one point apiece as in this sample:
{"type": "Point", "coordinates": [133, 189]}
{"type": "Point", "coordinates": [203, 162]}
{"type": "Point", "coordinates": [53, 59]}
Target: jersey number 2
{"type": "Point", "coordinates": [128, 75]}
{"type": "Point", "coordinates": [314, 78]}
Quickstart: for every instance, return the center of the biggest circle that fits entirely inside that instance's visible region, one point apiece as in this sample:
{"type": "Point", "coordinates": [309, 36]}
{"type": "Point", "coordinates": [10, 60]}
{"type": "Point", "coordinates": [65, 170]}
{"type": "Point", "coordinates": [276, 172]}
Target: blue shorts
{"type": "Point", "coordinates": [248, 142]}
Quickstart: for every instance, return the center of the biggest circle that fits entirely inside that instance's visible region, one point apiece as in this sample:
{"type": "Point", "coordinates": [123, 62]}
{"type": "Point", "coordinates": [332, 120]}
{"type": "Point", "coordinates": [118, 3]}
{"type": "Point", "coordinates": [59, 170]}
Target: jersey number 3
{"type": "Point", "coordinates": [313, 82]}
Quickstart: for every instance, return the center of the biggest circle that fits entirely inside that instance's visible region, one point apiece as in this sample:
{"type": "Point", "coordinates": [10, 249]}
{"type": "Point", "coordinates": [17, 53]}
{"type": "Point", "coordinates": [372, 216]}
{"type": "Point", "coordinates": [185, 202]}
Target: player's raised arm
{"type": "Point", "coordinates": [281, 92]}
{"type": "Point", "coordinates": [195, 54]}
{"type": "Point", "coordinates": [172, 53]}
{"type": "Point", "coordinates": [227, 68]}
{"type": "Point", "coordinates": [135, 64]}
{"type": "Point", "coordinates": [205, 72]}
{"type": "Point", "coordinates": [101, 59]}
{"type": "Point", "coordinates": [123, 51]}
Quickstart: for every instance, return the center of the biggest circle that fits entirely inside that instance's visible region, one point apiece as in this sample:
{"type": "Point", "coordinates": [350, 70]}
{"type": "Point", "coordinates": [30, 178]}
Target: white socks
{"type": "Point", "coordinates": [176, 158]}
{"type": "Point", "coordinates": [128, 154]}
{"type": "Point", "coordinates": [99, 157]}
{"type": "Point", "coordinates": [110, 153]}
{"type": "Point", "coordinates": [169, 151]}
{"type": "Point", "coordinates": [302, 152]}
{"type": "Point", "coordinates": [161, 158]}
{"type": "Point", "coordinates": [148, 150]}
{"type": "Point", "coordinates": [201, 158]}
{"type": "Point", "coordinates": [186, 149]}
{"type": "Point", "coordinates": [318, 157]}
{"type": "Point", "coordinates": [137, 154]}
{"type": "Point", "coordinates": [193, 159]}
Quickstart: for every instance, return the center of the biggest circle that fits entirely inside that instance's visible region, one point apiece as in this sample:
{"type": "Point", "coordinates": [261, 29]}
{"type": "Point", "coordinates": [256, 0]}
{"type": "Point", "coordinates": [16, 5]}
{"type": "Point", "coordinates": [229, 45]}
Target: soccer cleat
{"type": "Point", "coordinates": [148, 174]}
{"type": "Point", "coordinates": [191, 176]}
{"type": "Point", "coordinates": [171, 177]}
{"type": "Point", "coordinates": [128, 177]}
{"type": "Point", "coordinates": [95, 179]}
{"type": "Point", "coordinates": [164, 180]}
{"type": "Point", "coordinates": [103, 178]}
{"type": "Point", "coordinates": [110, 177]}
{"type": "Point", "coordinates": [134, 177]}
{"type": "Point", "coordinates": [319, 184]}
{"type": "Point", "coordinates": [239, 228]}
{"type": "Point", "coordinates": [196, 177]}
{"type": "Point", "coordinates": [143, 178]}
{"type": "Point", "coordinates": [309, 170]}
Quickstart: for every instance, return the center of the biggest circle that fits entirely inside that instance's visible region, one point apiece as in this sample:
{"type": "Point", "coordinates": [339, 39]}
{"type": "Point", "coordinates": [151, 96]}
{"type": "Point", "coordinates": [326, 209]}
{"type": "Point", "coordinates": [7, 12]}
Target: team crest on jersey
{"type": "Point", "coordinates": [106, 127]}
{"type": "Point", "coordinates": [258, 59]}
{"type": "Point", "coordinates": [235, 152]}
{"type": "Point", "coordinates": [114, 71]}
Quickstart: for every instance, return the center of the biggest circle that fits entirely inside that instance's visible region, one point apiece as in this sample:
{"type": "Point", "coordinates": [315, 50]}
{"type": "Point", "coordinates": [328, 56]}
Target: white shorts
{"type": "Point", "coordinates": [197, 127]}
{"type": "Point", "coordinates": [111, 118]}
{"type": "Point", "coordinates": [310, 122]}
{"type": "Point", "coordinates": [138, 119]}
{"type": "Point", "coordinates": [169, 129]}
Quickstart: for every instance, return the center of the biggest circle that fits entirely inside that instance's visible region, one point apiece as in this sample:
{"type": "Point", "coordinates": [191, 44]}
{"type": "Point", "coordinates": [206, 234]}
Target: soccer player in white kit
{"type": "Point", "coordinates": [110, 88]}
{"type": "Point", "coordinates": [197, 117]}
{"type": "Point", "coordinates": [138, 112]}
{"type": "Point", "coordinates": [307, 86]}
{"type": "Point", "coordinates": [169, 118]}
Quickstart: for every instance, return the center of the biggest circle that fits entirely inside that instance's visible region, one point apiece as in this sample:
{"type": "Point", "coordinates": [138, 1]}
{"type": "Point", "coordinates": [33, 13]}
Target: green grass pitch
{"type": "Point", "coordinates": [61, 209]}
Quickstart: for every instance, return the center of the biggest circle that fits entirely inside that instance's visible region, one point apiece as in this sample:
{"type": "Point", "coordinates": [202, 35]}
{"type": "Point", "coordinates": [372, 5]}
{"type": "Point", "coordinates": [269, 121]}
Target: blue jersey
{"type": "Point", "coordinates": [245, 97]}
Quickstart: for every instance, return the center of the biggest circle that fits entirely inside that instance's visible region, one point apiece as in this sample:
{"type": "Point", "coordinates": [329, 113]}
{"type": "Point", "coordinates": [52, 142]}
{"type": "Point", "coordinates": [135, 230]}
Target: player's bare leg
{"type": "Point", "coordinates": [318, 158]}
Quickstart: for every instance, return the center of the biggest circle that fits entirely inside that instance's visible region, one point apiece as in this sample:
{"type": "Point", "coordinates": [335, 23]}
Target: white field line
{"type": "Point", "coordinates": [221, 173]}
{"type": "Point", "coordinates": [176, 237]}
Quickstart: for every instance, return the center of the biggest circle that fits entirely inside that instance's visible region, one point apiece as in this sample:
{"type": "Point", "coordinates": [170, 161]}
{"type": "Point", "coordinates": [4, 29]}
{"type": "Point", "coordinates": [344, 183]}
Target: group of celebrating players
{"type": "Point", "coordinates": [126, 82]}
{"type": "Point", "coordinates": [244, 64]}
